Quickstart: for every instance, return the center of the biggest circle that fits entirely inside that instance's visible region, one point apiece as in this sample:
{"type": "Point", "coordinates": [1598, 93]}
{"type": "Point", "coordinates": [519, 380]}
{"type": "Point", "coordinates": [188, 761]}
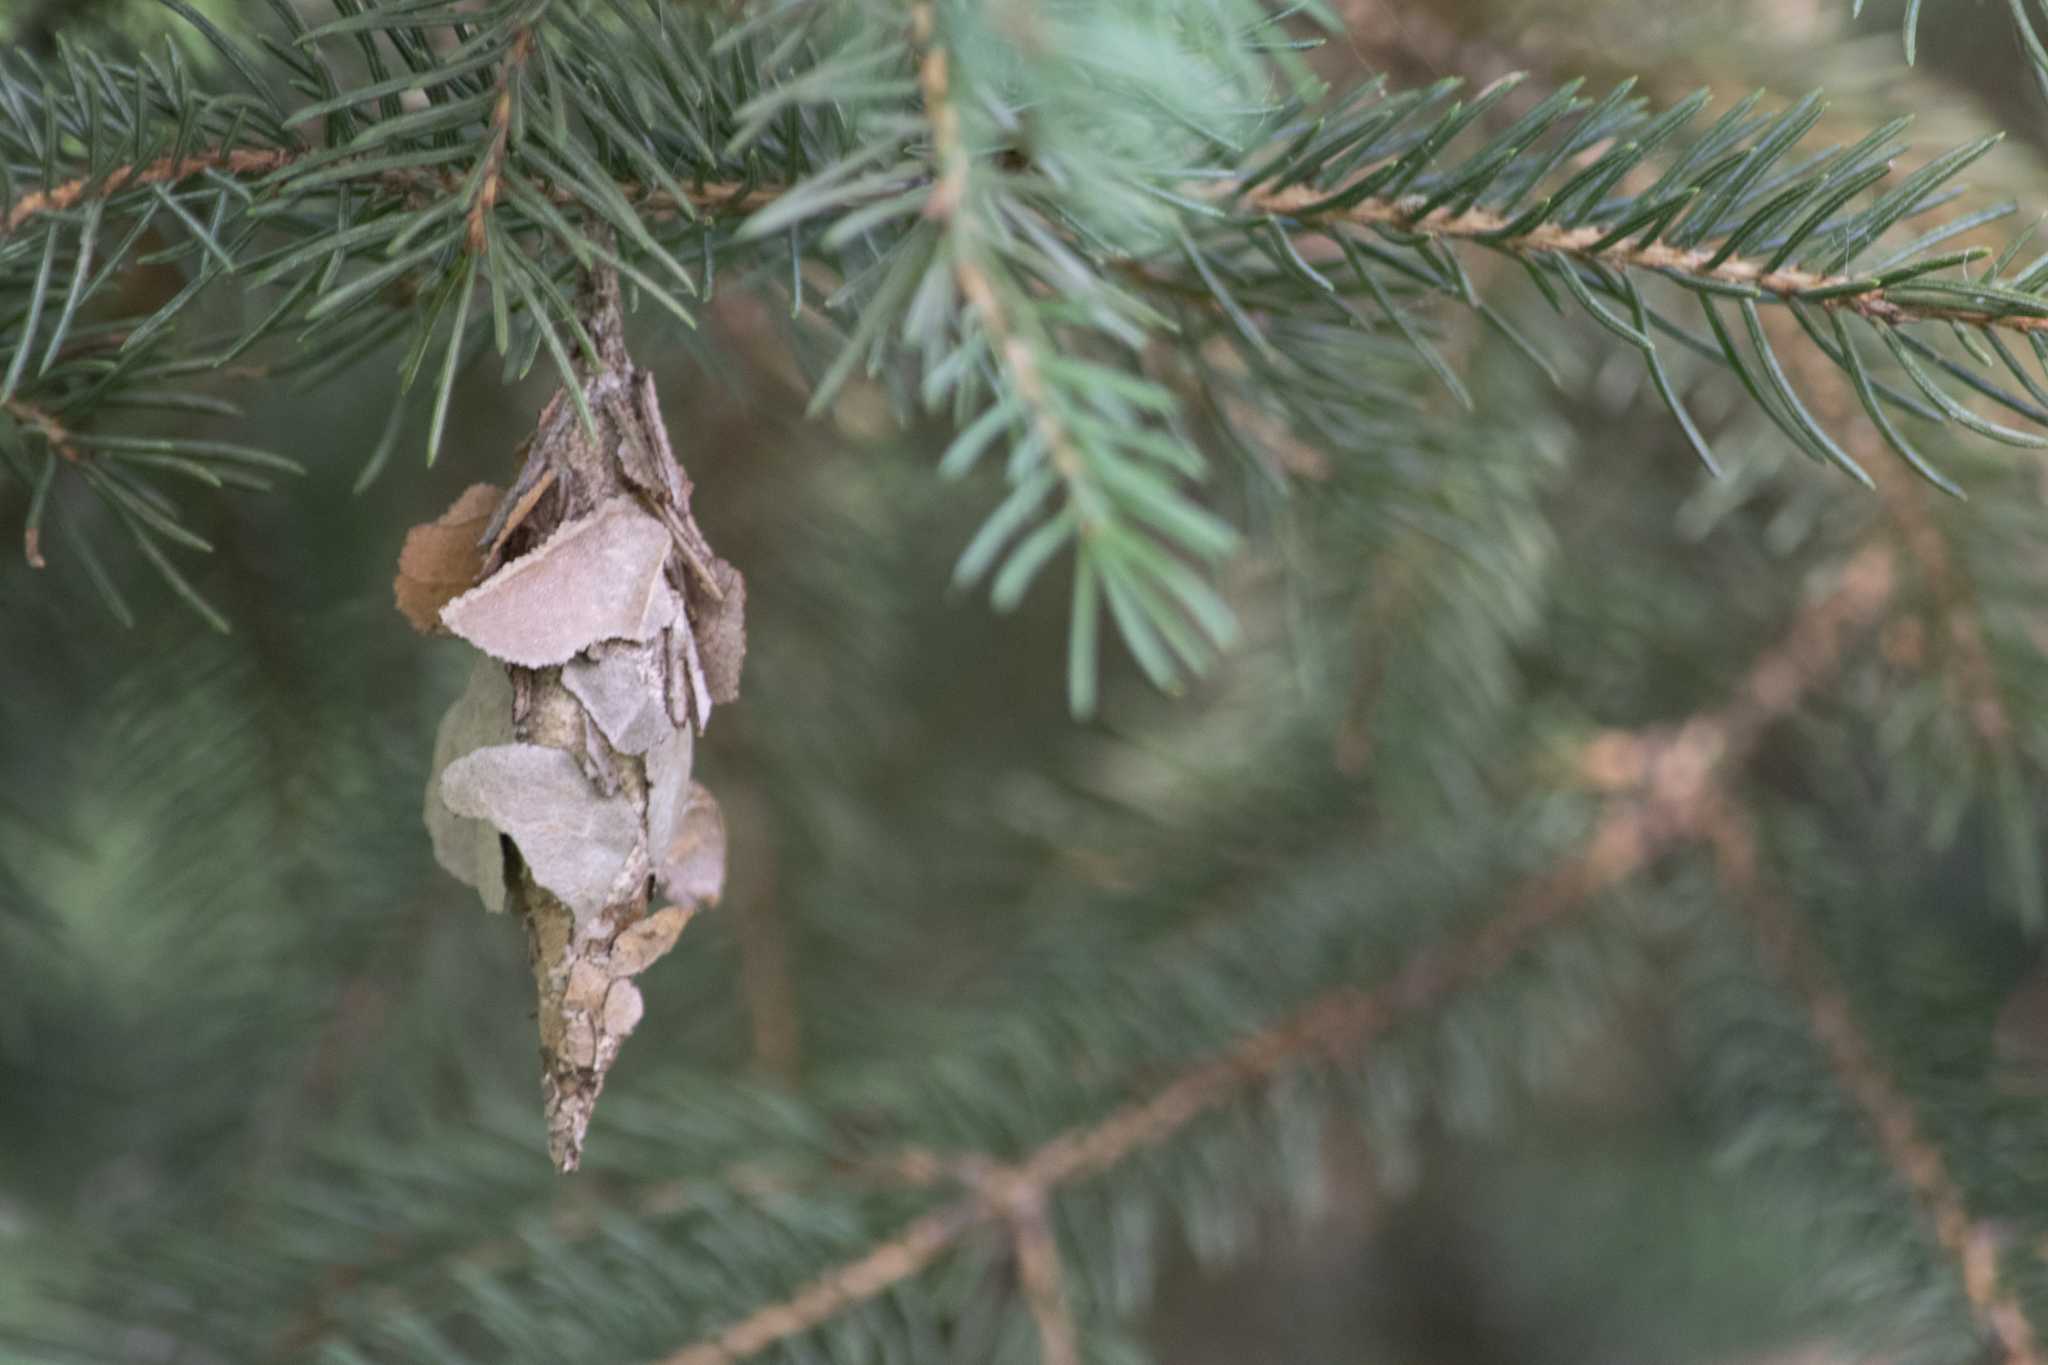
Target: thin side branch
{"type": "Point", "coordinates": [163, 171]}
{"type": "Point", "coordinates": [1794, 959]}
{"type": "Point", "coordinates": [1044, 1280]}
{"type": "Point", "coordinates": [1678, 772]}
{"type": "Point", "coordinates": [1872, 302]}
{"type": "Point", "coordinates": [46, 426]}
{"type": "Point", "coordinates": [950, 187]}
{"type": "Point", "coordinates": [718, 197]}
{"type": "Point", "coordinates": [501, 136]}
{"type": "Point", "coordinates": [948, 196]}
{"type": "Point", "coordinates": [875, 1272]}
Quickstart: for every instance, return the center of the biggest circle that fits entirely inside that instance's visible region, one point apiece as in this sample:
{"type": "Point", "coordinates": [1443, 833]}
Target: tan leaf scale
{"type": "Point", "coordinates": [596, 578]}
{"type": "Point", "coordinates": [441, 558]}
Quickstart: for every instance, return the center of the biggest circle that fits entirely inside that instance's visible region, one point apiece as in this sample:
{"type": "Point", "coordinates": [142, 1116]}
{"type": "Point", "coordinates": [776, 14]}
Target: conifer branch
{"type": "Point", "coordinates": [500, 135]}
{"type": "Point", "coordinates": [718, 198]}
{"type": "Point", "coordinates": [238, 161]}
{"type": "Point", "coordinates": [952, 187]}
{"type": "Point", "coordinates": [1866, 296]}
{"type": "Point", "coordinates": [1959, 613]}
{"type": "Point", "coordinates": [1043, 1277]}
{"type": "Point", "coordinates": [1799, 964]}
{"type": "Point", "coordinates": [1674, 778]}
{"type": "Point", "coordinates": [1027, 285]}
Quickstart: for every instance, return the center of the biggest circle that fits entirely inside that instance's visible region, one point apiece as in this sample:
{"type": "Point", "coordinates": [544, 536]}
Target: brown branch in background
{"type": "Point", "coordinates": [1675, 772]}
{"type": "Point", "coordinates": [60, 442]}
{"type": "Point", "coordinates": [1798, 963]}
{"type": "Point", "coordinates": [1976, 675]}
{"type": "Point", "coordinates": [874, 1272]}
{"type": "Point", "coordinates": [767, 980]}
{"type": "Point", "coordinates": [1044, 1279]}
{"type": "Point", "coordinates": [770, 995]}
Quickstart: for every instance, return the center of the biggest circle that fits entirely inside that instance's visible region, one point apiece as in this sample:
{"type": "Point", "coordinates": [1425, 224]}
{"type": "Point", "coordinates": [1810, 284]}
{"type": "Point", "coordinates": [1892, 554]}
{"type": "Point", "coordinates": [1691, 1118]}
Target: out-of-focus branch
{"type": "Point", "coordinates": [1792, 956]}
{"type": "Point", "coordinates": [1673, 774]}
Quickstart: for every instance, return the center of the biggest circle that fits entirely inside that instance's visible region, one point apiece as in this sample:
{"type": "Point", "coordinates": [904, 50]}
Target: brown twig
{"type": "Point", "coordinates": [950, 187]}
{"type": "Point", "coordinates": [1044, 1279]}
{"type": "Point", "coordinates": [500, 137]}
{"type": "Point", "coordinates": [717, 197]}
{"type": "Point", "coordinates": [46, 426]}
{"type": "Point", "coordinates": [163, 171]}
{"type": "Point", "coordinates": [60, 441]}
{"type": "Point", "coordinates": [874, 1272]}
{"type": "Point", "coordinates": [1795, 960]}
{"type": "Point", "coordinates": [949, 193]}
{"type": "Point", "coordinates": [1872, 302]}
{"type": "Point", "coordinates": [767, 983]}
{"type": "Point", "coordinates": [1976, 674]}
{"type": "Point", "coordinates": [1674, 776]}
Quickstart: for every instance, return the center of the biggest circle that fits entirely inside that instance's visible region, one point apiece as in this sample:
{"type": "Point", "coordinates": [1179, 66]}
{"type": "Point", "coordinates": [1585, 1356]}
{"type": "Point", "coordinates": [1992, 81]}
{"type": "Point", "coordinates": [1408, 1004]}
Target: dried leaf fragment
{"type": "Point", "coordinates": [623, 688]}
{"type": "Point", "coordinates": [596, 578]}
{"type": "Point", "coordinates": [468, 847]}
{"type": "Point", "coordinates": [721, 629]}
{"type": "Point", "coordinates": [440, 558]}
{"type": "Point", "coordinates": [580, 844]}
{"type": "Point", "coordinates": [668, 783]}
{"type": "Point", "coordinates": [689, 857]}
{"type": "Point", "coordinates": [639, 946]}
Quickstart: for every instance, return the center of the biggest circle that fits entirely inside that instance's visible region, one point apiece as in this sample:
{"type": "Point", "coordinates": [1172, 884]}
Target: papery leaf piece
{"type": "Point", "coordinates": [441, 558]}
{"type": "Point", "coordinates": [596, 578]}
{"type": "Point", "coordinates": [689, 857]}
{"type": "Point", "coordinates": [580, 844]}
{"type": "Point", "coordinates": [668, 783]}
{"type": "Point", "coordinates": [721, 629]}
{"type": "Point", "coordinates": [623, 688]}
{"type": "Point", "coordinates": [468, 847]}
{"type": "Point", "coordinates": [639, 947]}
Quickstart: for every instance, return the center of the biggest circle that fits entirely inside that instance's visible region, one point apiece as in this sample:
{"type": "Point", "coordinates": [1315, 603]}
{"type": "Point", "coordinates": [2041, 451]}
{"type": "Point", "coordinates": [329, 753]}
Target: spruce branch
{"type": "Point", "coordinates": [1957, 608]}
{"type": "Point", "coordinates": [948, 205]}
{"type": "Point", "coordinates": [1867, 296]}
{"type": "Point", "coordinates": [493, 166]}
{"type": "Point", "coordinates": [1798, 963]}
{"type": "Point", "coordinates": [715, 199]}
{"type": "Point", "coordinates": [1026, 269]}
{"type": "Point", "coordinates": [1043, 1277]}
{"type": "Point", "coordinates": [1669, 782]}
{"type": "Point", "coordinates": [1715, 817]}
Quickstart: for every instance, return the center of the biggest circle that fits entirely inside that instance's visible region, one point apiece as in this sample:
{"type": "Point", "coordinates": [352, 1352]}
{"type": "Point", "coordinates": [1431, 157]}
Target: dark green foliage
{"type": "Point", "coordinates": [1361, 413]}
{"type": "Point", "coordinates": [1137, 180]}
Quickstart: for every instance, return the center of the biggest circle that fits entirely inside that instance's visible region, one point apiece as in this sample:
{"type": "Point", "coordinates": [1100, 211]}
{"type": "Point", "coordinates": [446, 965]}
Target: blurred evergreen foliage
{"type": "Point", "coordinates": [1610, 894]}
